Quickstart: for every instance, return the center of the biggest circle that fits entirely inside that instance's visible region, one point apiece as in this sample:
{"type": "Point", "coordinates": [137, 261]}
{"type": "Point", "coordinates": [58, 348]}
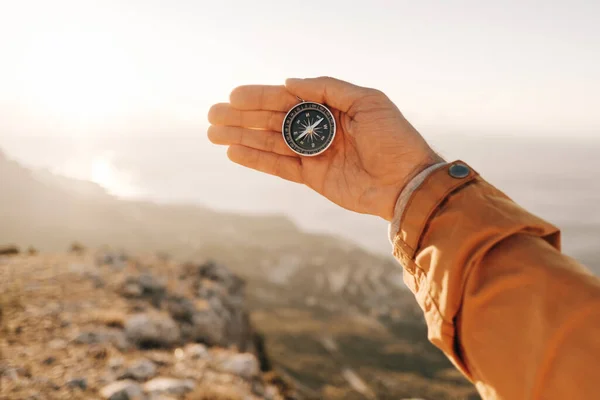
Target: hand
{"type": "Point", "coordinates": [375, 153]}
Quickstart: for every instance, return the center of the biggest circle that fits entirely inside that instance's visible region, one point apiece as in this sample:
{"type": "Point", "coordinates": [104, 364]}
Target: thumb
{"type": "Point", "coordinates": [333, 92]}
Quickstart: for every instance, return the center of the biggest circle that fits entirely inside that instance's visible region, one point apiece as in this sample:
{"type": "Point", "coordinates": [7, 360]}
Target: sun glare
{"type": "Point", "coordinates": [78, 77]}
{"type": "Point", "coordinates": [105, 174]}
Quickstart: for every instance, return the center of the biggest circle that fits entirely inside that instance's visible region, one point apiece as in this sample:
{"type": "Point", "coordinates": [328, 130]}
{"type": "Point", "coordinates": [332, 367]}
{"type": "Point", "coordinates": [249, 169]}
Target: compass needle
{"type": "Point", "coordinates": [314, 128]}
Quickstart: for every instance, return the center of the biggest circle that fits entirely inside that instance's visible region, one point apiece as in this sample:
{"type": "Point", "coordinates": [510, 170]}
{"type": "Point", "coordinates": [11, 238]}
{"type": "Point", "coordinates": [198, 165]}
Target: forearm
{"type": "Point", "coordinates": [485, 273]}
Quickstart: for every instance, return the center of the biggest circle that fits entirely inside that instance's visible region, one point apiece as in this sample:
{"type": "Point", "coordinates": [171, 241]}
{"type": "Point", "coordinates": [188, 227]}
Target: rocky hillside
{"type": "Point", "coordinates": [337, 320]}
{"type": "Point", "coordinates": [83, 327]}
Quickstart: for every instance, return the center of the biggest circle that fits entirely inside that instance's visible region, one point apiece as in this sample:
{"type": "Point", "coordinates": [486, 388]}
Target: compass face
{"type": "Point", "coordinates": [309, 128]}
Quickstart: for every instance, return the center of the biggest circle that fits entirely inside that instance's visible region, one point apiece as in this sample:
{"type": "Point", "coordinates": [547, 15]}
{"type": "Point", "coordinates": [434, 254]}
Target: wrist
{"type": "Point", "coordinates": [395, 191]}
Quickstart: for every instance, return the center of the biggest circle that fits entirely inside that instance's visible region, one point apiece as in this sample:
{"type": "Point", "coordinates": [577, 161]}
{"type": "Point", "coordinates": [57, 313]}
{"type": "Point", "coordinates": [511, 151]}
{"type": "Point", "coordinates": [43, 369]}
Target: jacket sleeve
{"type": "Point", "coordinates": [517, 317]}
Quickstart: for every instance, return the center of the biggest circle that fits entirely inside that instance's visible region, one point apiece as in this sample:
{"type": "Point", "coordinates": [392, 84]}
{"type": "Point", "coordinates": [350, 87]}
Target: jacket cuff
{"type": "Point", "coordinates": [424, 201]}
{"type": "Point", "coordinates": [405, 195]}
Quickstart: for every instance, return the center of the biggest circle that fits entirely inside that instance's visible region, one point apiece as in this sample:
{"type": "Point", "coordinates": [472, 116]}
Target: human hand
{"type": "Point", "coordinates": [375, 153]}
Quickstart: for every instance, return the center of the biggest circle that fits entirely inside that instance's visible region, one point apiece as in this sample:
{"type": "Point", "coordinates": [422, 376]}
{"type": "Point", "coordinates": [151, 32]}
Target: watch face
{"type": "Point", "coordinates": [309, 128]}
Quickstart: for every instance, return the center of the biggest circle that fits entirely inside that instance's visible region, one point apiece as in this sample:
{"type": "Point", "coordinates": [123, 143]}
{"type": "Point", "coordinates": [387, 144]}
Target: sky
{"type": "Point", "coordinates": [117, 92]}
{"type": "Point", "coordinates": [95, 68]}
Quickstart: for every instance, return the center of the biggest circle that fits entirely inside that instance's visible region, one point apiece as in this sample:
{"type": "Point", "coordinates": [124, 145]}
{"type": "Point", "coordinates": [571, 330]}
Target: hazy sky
{"type": "Point", "coordinates": [124, 67]}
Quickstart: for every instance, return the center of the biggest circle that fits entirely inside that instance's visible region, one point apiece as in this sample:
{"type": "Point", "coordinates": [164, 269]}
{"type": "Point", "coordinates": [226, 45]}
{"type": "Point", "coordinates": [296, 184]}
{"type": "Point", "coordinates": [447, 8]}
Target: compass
{"type": "Point", "coordinates": [308, 128]}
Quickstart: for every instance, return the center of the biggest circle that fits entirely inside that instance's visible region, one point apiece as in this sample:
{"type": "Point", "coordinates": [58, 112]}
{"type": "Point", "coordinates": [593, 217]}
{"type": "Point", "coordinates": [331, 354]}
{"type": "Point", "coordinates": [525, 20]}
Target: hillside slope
{"type": "Point", "coordinates": [337, 319]}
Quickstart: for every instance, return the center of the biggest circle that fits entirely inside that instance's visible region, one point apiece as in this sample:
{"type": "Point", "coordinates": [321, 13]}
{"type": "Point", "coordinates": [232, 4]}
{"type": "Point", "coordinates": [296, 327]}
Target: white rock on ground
{"type": "Point", "coordinates": [171, 386]}
{"type": "Point", "coordinates": [152, 330]}
{"type": "Point", "coordinates": [122, 390]}
{"type": "Point", "coordinates": [244, 365]}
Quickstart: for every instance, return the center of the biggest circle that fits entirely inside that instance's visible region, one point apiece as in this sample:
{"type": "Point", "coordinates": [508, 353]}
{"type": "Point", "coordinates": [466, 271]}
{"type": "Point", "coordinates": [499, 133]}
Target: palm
{"type": "Point", "coordinates": [374, 153]}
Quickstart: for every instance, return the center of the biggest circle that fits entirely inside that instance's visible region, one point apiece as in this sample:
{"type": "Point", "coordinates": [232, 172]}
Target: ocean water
{"type": "Point", "coordinates": [557, 179]}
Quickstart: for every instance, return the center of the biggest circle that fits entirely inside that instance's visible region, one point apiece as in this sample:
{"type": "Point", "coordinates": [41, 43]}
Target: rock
{"type": "Point", "coordinates": [116, 260]}
{"type": "Point", "coordinates": [223, 275]}
{"type": "Point", "coordinates": [32, 251]}
{"type": "Point", "coordinates": [150, 284]}
{"type": "Point", "coordinates": [152, 330]}
{"type": "Point", "coordinates": [171, 386]}
{"type": "Point", "coordinates": [113, 336]}
{"type": "Point", "coordinates": [140, 370]}
{"type": "Point", "coordinates": [9, 250]}
{"type": "Point", "coordinates": [196, 351]}
{"type": "Point", "coordinates": [115, 363]}
{"type": "Point", "coordinates": [146, 286]}
{"type": "Point", "coordinates": [244, 365]}
{"type": "Point", "coordinates": [181, 308]}
{"type": "Point", "coordinates": [160, 358]}
{"type": "Point", "coordinates": [131, 289]}
{"type": "Point", "coordinates": [122, 390]}
{"type": "Point", "coordinates": [98, 351]}
{"type": "Point", "coordinates": [80, 383]}
{"type": "Point", "coordinates": [209, 328]}
{"type": "Point", "coordinates": [271, 392]}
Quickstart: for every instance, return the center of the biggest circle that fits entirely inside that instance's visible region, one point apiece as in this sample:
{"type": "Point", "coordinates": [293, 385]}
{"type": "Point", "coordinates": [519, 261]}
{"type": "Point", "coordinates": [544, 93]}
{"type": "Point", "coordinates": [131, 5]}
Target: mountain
{"type": "Point", "coordinates": [337, 319]}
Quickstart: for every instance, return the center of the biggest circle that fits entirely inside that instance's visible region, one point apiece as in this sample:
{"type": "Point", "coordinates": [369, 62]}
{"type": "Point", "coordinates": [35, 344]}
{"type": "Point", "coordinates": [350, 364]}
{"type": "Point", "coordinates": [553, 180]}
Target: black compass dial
{"type": "Point", "coordinates": [309, 128]}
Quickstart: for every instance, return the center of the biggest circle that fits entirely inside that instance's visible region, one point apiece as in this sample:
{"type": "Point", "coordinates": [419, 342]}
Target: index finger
{"type": "Point", "coordinates": [262, 97]}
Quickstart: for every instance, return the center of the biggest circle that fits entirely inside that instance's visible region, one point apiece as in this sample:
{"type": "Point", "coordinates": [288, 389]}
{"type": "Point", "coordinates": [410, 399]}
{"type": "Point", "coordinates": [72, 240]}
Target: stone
{"type": "Point", "coordinates": [150, 284]}
{"type": "Point", "coordinates": [209, 328]}
{"type": "Point", "coordinates": [140, 370]}
{"type": "Point", "coordinates": [115, 363]}
{"type": "Point", "coordinates": [113, 336]}
{"type": "Point", "coordinates": [196, 351]}
{"type": "Point", "coordinates": [131, 289]}
{"type": "Point", "coordinates": [116, 260]}
{"type": "Point", "coordinates": [80, 383]}
{"type": "Point", "coordinates": [271, 392]}
{"type": "Point", "coordinates": [146, 286]}
{"type": "Point", "coordinates": [181, 308]}
{"type": "Point", "coordinates": [223, 275]}
{"type": "Point", "coordinates": [170, 386]}
{"type": "Point", "coordinates": [244, 365]}
{"type": "Point", "coordinates": [122, 390]}
{"type": "Point", "coordinates": [160, 358]}
{"type": "Point", "coordinates": [152, 330]}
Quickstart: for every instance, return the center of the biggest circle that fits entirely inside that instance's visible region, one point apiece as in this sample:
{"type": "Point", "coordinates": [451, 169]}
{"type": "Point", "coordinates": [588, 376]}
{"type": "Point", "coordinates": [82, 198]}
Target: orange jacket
{"type": "Point", "coordinates": [517, 317]}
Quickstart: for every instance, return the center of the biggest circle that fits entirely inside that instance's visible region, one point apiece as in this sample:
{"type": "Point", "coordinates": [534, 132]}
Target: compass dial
{"type": "Point", "coordinates": [308, 128]}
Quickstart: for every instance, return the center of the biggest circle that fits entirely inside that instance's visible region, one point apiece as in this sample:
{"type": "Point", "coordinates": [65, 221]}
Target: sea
{"type": "Point", "coordinates": [557, 179]}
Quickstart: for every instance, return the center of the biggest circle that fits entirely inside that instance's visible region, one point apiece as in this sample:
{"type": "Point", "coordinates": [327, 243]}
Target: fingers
{"type": "Point", "coordinates": [334, 92]}
{"type": "Point", "coordinates": [270, 141]}
{"type": "Point", "coordinates": [262, 97]}
{"type": "Point", "coordinates": [225, 114]}
{"type": "Point", "coordinates": [289, 168]}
